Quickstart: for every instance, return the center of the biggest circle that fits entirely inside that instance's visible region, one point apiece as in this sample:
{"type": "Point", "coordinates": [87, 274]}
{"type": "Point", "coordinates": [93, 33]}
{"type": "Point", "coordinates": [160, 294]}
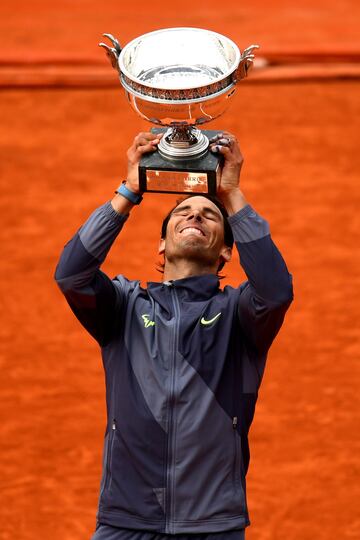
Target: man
{"type": "Point", "coordinates": [183, 359]}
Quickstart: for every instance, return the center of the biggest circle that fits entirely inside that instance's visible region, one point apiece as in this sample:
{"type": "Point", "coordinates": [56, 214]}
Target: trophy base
{"type": "Point", "coordinates": [201, 175]}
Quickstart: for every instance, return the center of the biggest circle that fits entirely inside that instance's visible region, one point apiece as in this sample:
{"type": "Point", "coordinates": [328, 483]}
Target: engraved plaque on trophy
{"type": "Point", "coordinates": [180, 79]}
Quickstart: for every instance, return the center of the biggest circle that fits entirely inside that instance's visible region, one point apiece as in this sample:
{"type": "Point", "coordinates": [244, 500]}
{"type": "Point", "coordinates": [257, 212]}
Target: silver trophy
{"type": "Point", "coordinates": [179, 79]}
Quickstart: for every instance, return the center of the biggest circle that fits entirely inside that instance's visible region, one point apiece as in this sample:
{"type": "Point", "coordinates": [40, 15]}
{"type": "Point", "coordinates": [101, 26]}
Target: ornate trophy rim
{"type": "Point", "coordinates": [191, 92]}
{"type": "Point", "coordinates": [177, 97]}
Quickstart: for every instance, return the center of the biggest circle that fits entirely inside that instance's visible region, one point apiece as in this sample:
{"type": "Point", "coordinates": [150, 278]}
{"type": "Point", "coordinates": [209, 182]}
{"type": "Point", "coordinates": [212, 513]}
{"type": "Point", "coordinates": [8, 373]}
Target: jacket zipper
{"type": "Point", "coordinates": [170, 466]}
{"type": "Point", "coordinates": [109, 454]}
{"type": "Point", "coordinates": [237, 466]}
{"type": "Point", "coordinates": [236, 452]}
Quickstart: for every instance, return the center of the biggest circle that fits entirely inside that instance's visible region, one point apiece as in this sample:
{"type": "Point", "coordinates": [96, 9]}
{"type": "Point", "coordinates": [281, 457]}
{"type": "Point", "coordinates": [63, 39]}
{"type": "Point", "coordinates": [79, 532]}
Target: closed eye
{"type": "Point", "coordinates": [207, 213]}
{"type": "Point", "coordinates": [212, 217]}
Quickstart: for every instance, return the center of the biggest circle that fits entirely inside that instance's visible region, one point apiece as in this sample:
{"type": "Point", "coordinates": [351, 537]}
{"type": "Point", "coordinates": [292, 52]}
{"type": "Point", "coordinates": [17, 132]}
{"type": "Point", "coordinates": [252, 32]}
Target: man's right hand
{"type": "Point", "coordinates": [143, 143]}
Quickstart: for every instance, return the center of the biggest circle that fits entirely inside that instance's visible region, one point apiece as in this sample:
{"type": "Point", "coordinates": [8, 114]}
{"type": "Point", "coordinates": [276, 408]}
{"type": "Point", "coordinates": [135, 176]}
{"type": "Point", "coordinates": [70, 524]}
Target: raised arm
{"type": "Point", "coordinates": [95, 299]}
{"type": "Point", "coordinates": [267, 294]}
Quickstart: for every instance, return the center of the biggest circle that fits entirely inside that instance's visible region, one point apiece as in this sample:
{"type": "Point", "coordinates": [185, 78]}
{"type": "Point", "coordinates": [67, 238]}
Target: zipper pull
{"type": "Point", "coordinates": [113, 425]}
{"type": "Point", "coordinates": [235, 419]}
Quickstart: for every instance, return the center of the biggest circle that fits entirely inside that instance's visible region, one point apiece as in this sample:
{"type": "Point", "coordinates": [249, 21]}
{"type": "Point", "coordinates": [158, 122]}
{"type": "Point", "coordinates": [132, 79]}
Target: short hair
{"type": "Point", "coordinates": [228, 235]}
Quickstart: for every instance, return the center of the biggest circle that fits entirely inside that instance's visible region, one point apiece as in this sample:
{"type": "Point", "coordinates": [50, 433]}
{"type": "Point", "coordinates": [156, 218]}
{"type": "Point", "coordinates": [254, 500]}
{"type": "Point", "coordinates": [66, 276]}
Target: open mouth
{"type": "Point", "coordinates": [191, 230]}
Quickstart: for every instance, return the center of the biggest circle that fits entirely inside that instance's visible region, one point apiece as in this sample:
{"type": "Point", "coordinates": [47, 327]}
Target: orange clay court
{"type": "Point", "coordinates": [64, 132]}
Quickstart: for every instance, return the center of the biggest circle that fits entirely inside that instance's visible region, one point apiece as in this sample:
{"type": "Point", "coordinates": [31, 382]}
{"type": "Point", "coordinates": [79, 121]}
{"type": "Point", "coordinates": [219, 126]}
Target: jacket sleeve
{"type": "Point", "coordinates": [267, 294]}
{"type": "Point", "coordinates": [93, 296]}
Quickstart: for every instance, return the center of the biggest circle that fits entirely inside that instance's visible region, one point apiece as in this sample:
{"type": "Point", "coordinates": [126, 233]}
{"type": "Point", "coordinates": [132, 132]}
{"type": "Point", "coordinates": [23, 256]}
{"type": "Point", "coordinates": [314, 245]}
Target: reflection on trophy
{"type": "Point", "coordinates": [179, 79]}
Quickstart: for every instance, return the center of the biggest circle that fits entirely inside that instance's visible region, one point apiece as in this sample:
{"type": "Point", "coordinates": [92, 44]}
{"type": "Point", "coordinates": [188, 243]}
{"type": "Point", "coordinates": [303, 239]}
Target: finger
{"type": "Point", "coordinates": [143, 142]}
{"type": "Point", "coordinates": [219, 149]}
{"type": "Point", "coordinates": [149, 147]}
{"type": "Point", "coordinates": [142, 139]}
{"type": "Point", "coordinates": [221, 135]}
{"type": "Point", "coordinates": [139, 142]}
{"type": "Point", "coordinates": [216, 137]}
{"type": "Point", "coordinates": [134, 153]}
{"type": "Point", "coordinates": [231, 155]}
{"type": "Point", "coordinates": [234, 145]}
{"type": "Point", "coordinates": [225, 141]}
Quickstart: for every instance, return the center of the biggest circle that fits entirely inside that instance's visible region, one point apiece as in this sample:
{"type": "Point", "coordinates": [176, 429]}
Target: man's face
{"type": "Point", "coordinates": [195, 232]}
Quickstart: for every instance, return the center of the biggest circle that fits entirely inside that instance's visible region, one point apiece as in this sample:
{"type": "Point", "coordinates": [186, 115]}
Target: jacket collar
{"type": "Point", "coordinates": [194, 288]}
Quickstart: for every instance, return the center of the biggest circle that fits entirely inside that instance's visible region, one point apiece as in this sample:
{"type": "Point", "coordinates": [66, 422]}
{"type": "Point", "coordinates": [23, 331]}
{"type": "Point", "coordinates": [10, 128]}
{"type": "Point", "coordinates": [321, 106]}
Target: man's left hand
{"type": "Point", "coordinates": [226, 144]}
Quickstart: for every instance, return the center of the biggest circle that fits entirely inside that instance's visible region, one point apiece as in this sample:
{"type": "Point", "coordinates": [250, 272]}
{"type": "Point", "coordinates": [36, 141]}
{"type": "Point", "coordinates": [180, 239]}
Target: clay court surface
{"type": "Point", "coordinates": [63, 153]}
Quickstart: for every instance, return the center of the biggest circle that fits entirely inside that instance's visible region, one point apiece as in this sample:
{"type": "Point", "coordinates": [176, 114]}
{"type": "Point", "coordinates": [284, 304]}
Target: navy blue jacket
{"type": "Point", "coordinates": [183, 364]}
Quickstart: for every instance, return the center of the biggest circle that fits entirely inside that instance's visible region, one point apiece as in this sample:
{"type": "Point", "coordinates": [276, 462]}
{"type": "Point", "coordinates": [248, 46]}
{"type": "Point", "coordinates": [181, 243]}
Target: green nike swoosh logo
{"type": "Point", "coordinates": [205, 322]}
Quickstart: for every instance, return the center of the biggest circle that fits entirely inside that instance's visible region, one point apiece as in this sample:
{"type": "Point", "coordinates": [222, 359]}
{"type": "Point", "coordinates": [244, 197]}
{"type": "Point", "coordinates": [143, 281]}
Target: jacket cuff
{"type": "Point", "coordinates": [248, 226]}
{"type": "Point", "coordinates": [241, 214]}
{"type": "Point", "coordinates": [114, 216]}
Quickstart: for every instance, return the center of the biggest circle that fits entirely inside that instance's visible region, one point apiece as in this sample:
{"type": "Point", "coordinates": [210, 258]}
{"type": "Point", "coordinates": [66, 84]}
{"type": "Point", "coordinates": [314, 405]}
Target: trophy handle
{"type": "Point", "coordinates": [113, 53]}
{"type": "Point", "coordinates": [246, 61]}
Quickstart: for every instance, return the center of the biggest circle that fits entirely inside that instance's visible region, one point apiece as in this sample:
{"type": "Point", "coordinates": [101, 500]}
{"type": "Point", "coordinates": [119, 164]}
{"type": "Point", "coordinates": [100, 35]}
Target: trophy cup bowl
{"type": "Point", "coordinates": [179, 79]}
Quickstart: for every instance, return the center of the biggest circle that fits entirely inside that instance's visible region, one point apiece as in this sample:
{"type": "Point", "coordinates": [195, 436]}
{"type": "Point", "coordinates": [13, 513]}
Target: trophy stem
{"type": "Point", "coordinates": [183, 141]}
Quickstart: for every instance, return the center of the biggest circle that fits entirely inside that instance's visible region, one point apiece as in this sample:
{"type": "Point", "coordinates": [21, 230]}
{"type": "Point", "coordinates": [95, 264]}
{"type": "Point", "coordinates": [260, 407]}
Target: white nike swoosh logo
{"type": "Point", "coordinates": [205, 322]}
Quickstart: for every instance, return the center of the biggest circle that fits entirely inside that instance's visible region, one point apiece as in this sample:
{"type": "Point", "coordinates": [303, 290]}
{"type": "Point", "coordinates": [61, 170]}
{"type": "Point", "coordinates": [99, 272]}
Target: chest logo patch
{"type": "Point", "coordinates": [147, 321]}
{"type": "Point", "coordinates": [210, 321]}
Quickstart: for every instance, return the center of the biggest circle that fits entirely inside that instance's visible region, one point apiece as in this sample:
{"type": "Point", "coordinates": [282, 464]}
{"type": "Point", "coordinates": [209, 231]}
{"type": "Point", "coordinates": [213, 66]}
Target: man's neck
{"type": "Point", "coordinates": [184, 269]}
